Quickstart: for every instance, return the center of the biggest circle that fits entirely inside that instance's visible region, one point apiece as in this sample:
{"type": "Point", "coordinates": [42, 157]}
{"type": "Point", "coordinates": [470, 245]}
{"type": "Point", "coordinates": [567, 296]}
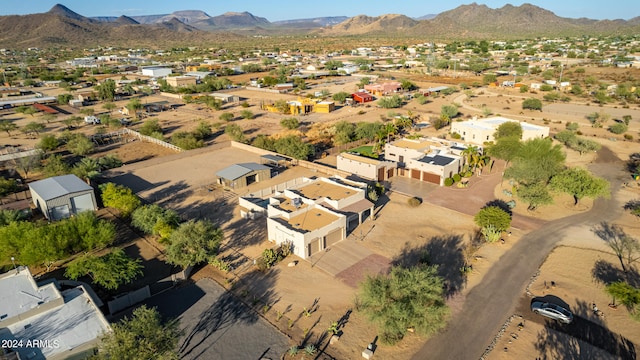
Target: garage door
{"type": "Point", "coordinates": [82, 203]}
{"type": "Point", "coordinates": [59, 212]}
{"type": "Point", "coordinates": [313, 247]}
{"type": "Point", "coordinates": [333, 237]}
{"type": "Point", "coordinates": [432, 178]}
{"type": "Point", "coordinates": [353, 222]}
{"type": "Point", "coordinates": [415, 174]}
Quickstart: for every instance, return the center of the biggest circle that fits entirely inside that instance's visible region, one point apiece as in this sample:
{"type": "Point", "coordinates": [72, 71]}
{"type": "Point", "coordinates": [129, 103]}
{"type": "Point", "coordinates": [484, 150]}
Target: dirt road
{"type": "Point", "coordinates": [490, 303]}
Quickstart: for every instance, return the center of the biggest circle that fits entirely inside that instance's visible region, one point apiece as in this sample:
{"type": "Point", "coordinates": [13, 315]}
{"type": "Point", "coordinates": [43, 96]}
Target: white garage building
{"type": "Point", "coordinates": [156, 71]}
{"type": "Point", "coordinates": [59, 197]}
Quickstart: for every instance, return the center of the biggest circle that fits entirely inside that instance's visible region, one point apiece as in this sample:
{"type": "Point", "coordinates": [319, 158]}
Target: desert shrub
{"type": "Point", "coordinates": [618, 128]}
{"type": "Point", "coordinates": [455, 135]}
{"type": "Point", "coordinates": [628, 137]}
{"type": "Point", "coordinates": [414, 201]}
{"type": "Point", "coordinates": [532, 104]}
{"type": "Point", "coordinates": [456, 177]}
{"type": "Point", "coordinates": [573, 126]}
{"type": "Point", "coordinates": [448, 181]}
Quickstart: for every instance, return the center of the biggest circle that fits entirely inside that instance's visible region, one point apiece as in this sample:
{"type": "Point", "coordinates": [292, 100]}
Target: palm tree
{"type": "Point", "coordinates": [471, 157]}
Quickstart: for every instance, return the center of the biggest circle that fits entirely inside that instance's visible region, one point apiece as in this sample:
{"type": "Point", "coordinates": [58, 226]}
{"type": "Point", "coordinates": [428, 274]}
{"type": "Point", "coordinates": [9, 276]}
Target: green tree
{"type": "Point", "coordinates": [109, 161]}
{"type": "Point", "coordinates": [246, 114]}
{"type": "Point", "coordinates": [367, 130]}
{"type": "Point", "coordinates": [186, 140]}
{"type": "Point", "coordinates": [627, 294]}
{"type": "Point", "coordinates": [55, 166]}
{"type": "Point", "coordinates": [264, 142]}
{"type": "Point", "coordinates": [407, 85]}
{"type": "Point", "coordinates": [390, 102]}
{"type": "Point", "coordinates": [340, 97]}
{"type": "Point", "coordinates": [109, 106]}
{"type": "Point", "coordinates": [580, 183]}
{"type": "Point", "coordinates": [63, 99]}
{"type": "Point", "coordinates": [537, 160]}
{"type": "Point", "coordinates": [506, 148]}
{"type": "Point", "coordinates": [80, 145]}
{"type": "Point", "coordinates": [48, 143]}
{"type": "Point", "coordinates": [494, 216]}
{"type": "Point", "coordinates": [226, 116]}
{"type": "Point", "coordinates": [489, 78]}
{"type": "Point", "coordinates": [119, 197]}
{"type": "Point", "coordinates": [194, 242]}
{"type": "Point", "coordinates": [48, 117]}
{"type": "Point", "coordinates": [532, 104]}
{"type": "Point", "coordinates": [618, 128]}
{"type": "Point", "coordinates": [290, 123]}
{"type": "Point", "coordinates": [406, 298]}
{"type": "Point", "coordinates": [202, 131]}
{"type": "Point", "coordinates": [152, 219]}
{"type": "Point", "coordinates": [509, 129]}
{"type": "Point", "coordinates": [293, 146]}
{"type": "Point", "coordinates": [141, 337]}
{"type": "Point", "coordinates": [149, 127]}
{"type": "Point", "coordinates": [133, 106]}
{"type": "Point", "coordinates": [234, 132]}
{"type": "Point", "coordinates": [106, 90]}
{"type": "Point", "coordinates": [344, 132]}
{"type": "Point", "coordinates": [535, 194]}
{"type": "Point", "coordinates": [109, 271]}
{"type": "Point", "coordinates": [7, 186]}
{"type": "Point", "coordinates": [7, 126]}
{"type": "Point", "coordinates": [87, 111]}
{"type": "Point", "coordinates": [282, 106]}
{"type": "Point", "coordinates": [33, 128]}
{"type": "Point", "coordinates": [9, 216]}
{"type": "Point", "coordinates": [449, 111]}
{"type": "Point", "coordinates": [86, 169]}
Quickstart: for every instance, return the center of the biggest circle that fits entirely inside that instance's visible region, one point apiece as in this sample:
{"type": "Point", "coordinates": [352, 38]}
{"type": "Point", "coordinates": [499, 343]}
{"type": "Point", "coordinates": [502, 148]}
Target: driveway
{"type": "Point", "coordinates": [217, 325]}
{"type": "Point", "coordinates": [471, 330]}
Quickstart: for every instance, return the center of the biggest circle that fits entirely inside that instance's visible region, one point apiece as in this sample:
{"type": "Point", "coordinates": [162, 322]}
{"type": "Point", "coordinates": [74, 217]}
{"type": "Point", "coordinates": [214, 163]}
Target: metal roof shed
{"type": "Point", "coordinates": [241, 175]}
{"type": "Point", "coordinates": [60, 197]}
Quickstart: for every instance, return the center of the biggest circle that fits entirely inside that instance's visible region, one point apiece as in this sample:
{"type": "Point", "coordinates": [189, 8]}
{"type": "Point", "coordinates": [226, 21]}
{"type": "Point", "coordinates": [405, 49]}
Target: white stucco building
{"type": "Point", "coordinates": [479, 131]}
{"type": "Point", "coordinates": [156, 71]}
{"type": "Point", "coordinates": [365, 167]}
{"type": "Point", "coordinates": [312, 215]}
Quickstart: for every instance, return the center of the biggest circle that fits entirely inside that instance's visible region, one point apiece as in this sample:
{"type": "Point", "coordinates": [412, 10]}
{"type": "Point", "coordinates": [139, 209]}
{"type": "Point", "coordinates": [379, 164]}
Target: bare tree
{"type": "Point", "coordinates": [27, 163]}
{"type": "Point", "coordinates": [626, 248]}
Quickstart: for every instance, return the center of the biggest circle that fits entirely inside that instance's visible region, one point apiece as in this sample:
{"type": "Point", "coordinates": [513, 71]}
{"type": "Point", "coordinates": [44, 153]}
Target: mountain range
{"type": "Point", "coordinates": [61, 26]}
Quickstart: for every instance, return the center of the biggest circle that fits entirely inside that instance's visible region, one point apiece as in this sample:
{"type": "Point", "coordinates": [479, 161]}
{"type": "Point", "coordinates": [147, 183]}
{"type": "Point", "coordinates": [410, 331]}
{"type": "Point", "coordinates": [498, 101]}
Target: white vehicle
{"type": "Point", "coordinates": [552, 311]}
{"type": "Point", "coordinates": [91, 120]}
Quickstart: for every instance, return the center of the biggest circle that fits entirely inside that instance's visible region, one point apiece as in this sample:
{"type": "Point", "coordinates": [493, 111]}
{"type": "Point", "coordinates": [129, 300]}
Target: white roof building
{"type": "Point", "coordinates": [46, 323]}
{"type": "Point", "coordinates": [479, 131]}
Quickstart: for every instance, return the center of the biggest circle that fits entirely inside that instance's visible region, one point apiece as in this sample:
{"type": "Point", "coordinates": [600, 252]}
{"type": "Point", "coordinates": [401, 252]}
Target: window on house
{"type": "Point", "coordinates": [487, 137]}
{"type": "Point", "coordinates": [474, 136]}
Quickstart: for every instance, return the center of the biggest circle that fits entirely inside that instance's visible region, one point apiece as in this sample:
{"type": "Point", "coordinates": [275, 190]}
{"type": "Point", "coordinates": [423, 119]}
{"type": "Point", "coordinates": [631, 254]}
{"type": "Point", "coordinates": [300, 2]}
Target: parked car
{"type": "Point", "coordinates": [552, 311]}
{"type": "Point", "coordinates": [125, 121]}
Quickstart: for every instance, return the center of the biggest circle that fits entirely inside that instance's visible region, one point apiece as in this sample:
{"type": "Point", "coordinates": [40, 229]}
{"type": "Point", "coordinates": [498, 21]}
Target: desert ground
{"type": "Point", "coordinates": [184, 181]}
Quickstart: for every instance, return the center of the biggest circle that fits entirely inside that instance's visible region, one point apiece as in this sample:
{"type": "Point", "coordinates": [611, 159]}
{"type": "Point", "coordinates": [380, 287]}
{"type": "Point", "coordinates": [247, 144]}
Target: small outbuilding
{"type": "Point", "coordinates": [362, 97]}
{"type": "Point", "coordinates": [241, 175]}
{"type": "Point", "coordinates": [60, 197]}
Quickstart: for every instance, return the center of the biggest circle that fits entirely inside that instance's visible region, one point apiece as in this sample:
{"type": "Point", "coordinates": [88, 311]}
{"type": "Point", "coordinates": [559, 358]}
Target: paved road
{"type": "Point", "coordinates": [490, 303]}
{"type": "Point", "coordinates": [217, 325]}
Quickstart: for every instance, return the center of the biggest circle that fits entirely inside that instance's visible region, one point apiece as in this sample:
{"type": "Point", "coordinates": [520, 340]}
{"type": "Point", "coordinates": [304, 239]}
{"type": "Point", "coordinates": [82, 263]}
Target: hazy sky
{"type": "Point", "coordinates": [275, 10]}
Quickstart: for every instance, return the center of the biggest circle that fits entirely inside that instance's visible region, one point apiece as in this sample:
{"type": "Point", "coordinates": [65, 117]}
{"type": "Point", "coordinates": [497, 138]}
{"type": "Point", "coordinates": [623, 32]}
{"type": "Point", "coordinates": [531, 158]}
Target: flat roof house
{"type": "Point", "coordinates": [181, 81]}
{"type": "Point", "coordinates": [362, 97]}
{"type": "Point", "coordinates": [385, 88]}
{"type": "Point", "coordinates": [479, 131]}
{"type": "Point", "coordinates": [60, 197]}
{"type": "Point", "coordinates": [241, 175]}
{"type": "Point", "coordinates": [50, 323]}
{"type": "Point", "coordinates": [156, 71]}
{"type": "Point", "coordinates": [316, 213]}
{"type": "Point", "coordinates": [426, 159]}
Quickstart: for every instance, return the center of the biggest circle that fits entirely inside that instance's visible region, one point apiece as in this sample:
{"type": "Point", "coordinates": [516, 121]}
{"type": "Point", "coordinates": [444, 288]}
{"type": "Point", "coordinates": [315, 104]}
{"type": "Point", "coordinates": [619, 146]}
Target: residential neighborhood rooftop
{"type": "Point", "coordinates": [360, 158]}
{"type": "Point", "coordinates": [439, 160]}
{"type": "Point", "coordinates": [414, 144]}
{"type": "Point", "coordinates": [319, 189]}
{"type": "Point", "coordinates": [313, 219]}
